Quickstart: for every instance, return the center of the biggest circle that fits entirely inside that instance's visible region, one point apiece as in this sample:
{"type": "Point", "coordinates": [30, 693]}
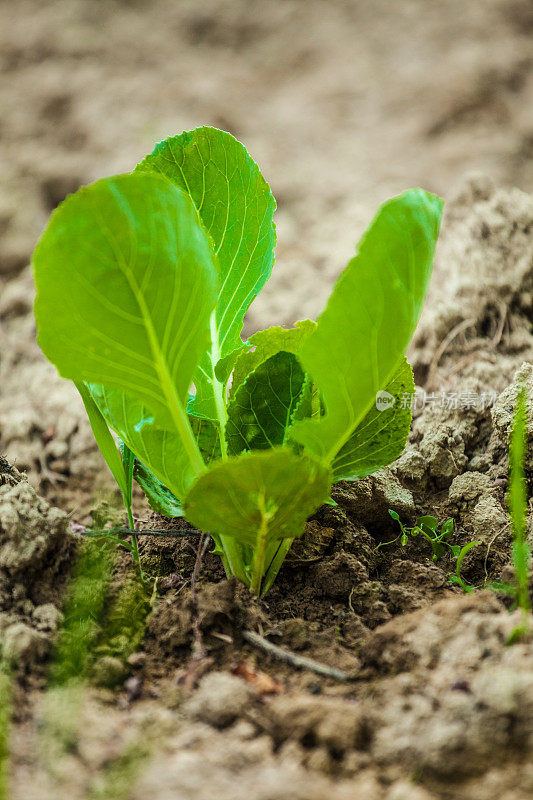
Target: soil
{"type": "Point", "coordinates": [342, 104]}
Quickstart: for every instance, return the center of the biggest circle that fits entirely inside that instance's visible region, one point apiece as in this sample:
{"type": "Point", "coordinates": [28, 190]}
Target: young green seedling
{"type": "Point", "coordinates": [460, 553]}
{"type": "Point", "coordinates": [427, 526]}
{"type": "Point", "coordinates": [143, 281]}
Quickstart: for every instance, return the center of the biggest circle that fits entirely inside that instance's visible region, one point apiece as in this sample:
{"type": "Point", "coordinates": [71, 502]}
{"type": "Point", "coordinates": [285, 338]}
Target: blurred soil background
{"type": "Point", "coordinates": [341, 103]}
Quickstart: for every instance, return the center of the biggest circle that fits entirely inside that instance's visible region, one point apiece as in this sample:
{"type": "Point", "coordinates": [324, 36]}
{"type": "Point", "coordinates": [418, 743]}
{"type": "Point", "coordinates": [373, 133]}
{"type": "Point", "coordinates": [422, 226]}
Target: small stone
{"type": "Point", "coordinates": [468, 486]}
{"type": "Point", "coordinates": [47, 617]}
{"type": "Point", "coordinates": [136, 660]}
{"type": "Point", "coordinates": [109, 672]}
{"type": "Point", "coordinates": [219, 700]}
{"type": "Point", "coordinates": [23, 646]}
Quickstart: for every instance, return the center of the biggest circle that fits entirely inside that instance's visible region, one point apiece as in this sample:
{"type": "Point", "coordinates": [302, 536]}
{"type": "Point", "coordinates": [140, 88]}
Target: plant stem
{"type": "Point", "coordinates": [233, 558]}
{"type": "Point", "coordinates": [517, 501]}
{"type": "Point", "coordinates": [275, 565]}
{"type": "Point", "coordinates": [218, 389]}
{"type": "Point", "coordinates": [258, 563]}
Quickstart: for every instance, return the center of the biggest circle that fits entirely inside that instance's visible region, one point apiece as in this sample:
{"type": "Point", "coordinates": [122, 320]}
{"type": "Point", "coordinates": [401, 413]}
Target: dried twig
{"type": "Point", "coordinates": [301, 662]}
{"type": "Point", "coordinates": [150, 532]}
{"type": "Point", "coordinates": [503, 309]}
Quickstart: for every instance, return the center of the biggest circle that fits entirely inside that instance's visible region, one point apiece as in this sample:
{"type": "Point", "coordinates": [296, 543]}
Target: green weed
{"type": "Point", "coordinates": [427, 526]}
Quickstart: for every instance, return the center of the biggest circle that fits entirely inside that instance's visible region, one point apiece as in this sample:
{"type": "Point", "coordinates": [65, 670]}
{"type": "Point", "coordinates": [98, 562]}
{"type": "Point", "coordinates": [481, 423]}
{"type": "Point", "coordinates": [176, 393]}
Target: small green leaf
{"type": "Point", "coordinates": [447, 527]}
{"type": "Point", "coordinates": [206, 434]}
{"type": "Point", "coordinates": [225, 366]}
{"type": "Point", "coordinates": [126, 282]}
{"type": "Point", "coordinates": [331, 502]}
{"type": "Point", "coordinates": [275, 487]}
{"type": "Point", "coordinates": [428, 523]}
{"type": "Point", "coordinates": [264, 344]}
{"type": "Point", "coordinates": [363, 333]}
{"type": "Point", "coordinates": [262, 408]}
{"type": "Point", "coordinates": [463, 552]}
{"type": "Point", "coordinates": [236, 207]}
{"type": "Point", "coordinates": [128, 463]}
{"type": "Point", "coordinates": [381, 436]}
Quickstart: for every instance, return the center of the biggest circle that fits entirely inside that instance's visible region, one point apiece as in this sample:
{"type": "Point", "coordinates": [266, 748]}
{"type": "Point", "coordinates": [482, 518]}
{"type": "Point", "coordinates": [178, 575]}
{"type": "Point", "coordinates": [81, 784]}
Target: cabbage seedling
{"type": "Point", "coordinates": [143, 281]}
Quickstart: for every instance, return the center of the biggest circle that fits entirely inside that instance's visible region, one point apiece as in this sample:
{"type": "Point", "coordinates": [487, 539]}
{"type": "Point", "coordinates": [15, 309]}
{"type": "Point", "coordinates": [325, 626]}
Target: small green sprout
{"type": "Point", "coordinates": [461, 552]}
{"type": "Point", "coordinates": [427, 526]}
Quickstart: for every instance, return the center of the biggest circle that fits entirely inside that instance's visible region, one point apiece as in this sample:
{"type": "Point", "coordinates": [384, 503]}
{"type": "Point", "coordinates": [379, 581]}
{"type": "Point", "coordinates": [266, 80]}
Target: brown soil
{"type": "Point", "coordinates": [342, 104]}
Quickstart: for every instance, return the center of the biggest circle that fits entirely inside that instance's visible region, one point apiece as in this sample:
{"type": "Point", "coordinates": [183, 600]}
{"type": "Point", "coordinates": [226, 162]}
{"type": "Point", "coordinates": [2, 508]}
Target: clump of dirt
{"type": "Point", "coordinates": [482, 331]}
{"type": "Point", "coordinates": [35, 550]}
{"type": "Point", "coordinates": [438, 696]}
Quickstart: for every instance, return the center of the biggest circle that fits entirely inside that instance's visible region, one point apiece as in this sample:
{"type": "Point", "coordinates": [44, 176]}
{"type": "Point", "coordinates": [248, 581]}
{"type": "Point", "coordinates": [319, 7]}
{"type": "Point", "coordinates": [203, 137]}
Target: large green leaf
{"type": "Point", "coordinates": [266, 494]}
{"type": "Point", "coordinates": [126, 283]}
{"type": "Point", "coordinates": [381, 436]}
{"type": "Point", "coordinates": [363, 333]}
{"type": "Point", "coordinates": [263, 344]}
{"type": "Point", "coordinates": [262, 407]}
{"type": "Point", "coordinates": [236, 208]}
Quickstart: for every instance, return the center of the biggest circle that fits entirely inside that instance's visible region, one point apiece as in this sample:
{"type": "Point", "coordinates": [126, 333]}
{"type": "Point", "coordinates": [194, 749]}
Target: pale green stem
{"type": "Point", "coordinates": [234, 562]}
{"type": "Point", "coordinates": [258, 563]}
{"type": "Point", "coordinates": [275, 565]}
{"type": "Point", "coordinates": [218, 389]}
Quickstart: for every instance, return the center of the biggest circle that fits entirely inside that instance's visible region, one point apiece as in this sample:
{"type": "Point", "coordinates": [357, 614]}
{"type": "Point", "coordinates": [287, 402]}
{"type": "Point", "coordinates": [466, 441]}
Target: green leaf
{"type": "Point", "coordinates": [206, 434]}
{"type": "Point", "coordinates": [126, 283]}
{"type": "Point", "coordinates": [159, 497]}
{"type": "Point", "coordinates": [225, 366]}
{"type": "Point", "coordinates": [309, 404]}
{"type": "Point", "coordinates": [362, 335]}
{"type": "Point", "coordinates": [160, 450]}
{"type": "Point", "coordinates": [381, 436]}
{"type": "Point", "coordinates": [263, 344]}
{"type": "Point", "coordinates": [236, 207]}
{"type": "Point", "coordinates": [428, 523]}
{"type": "Point", "coordinates": [262, 408]}
{"type": "Point", "coordinates": [447, 527]}
{"type": "Point", "coordinates": [269, 493]}
{"type": "Point", "coordinates": [106, 443]}
{"type": "Point", "coordinates": [121, 467]}
{"type": "Point", "coordinates": [128, 462]}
